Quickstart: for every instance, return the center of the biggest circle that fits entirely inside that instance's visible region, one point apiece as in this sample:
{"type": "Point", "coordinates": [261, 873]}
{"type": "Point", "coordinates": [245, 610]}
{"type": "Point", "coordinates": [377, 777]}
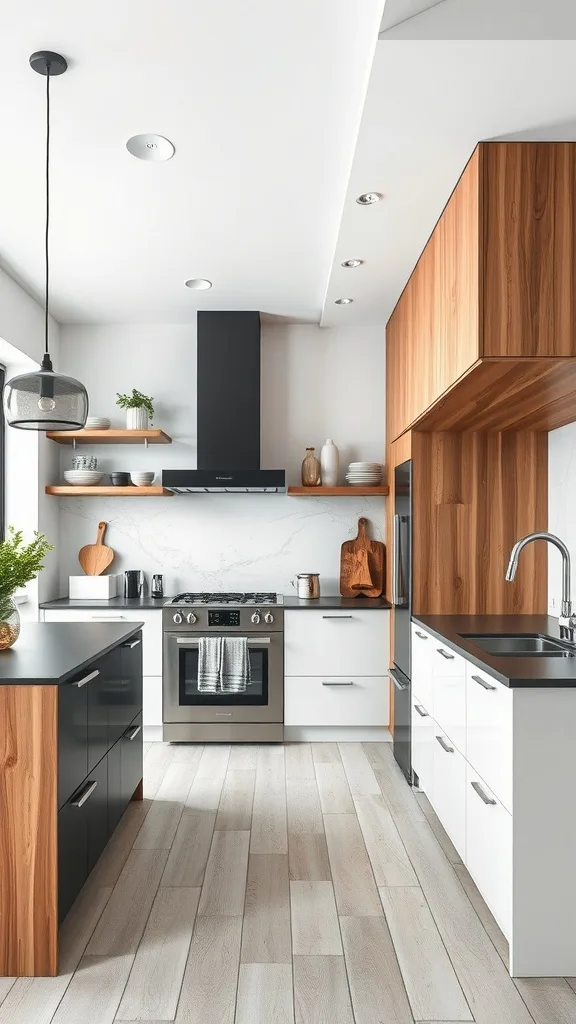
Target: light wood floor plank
{"type": "Point", "coordinates": [321, 993]}
{"type": "Point", "coordinates": [5, 986]}
{"type": "Point", "coordinates": [326, 753]}
{"type": "Point", "coordinates": [303, 807]}
{"type": "Point", "coordinates": [188, 855]}
{"type": "Point", "coordinates": [490, 924]}
{"type": "Point", "coordinates": [188, 753]}
{"type": "Point", "coordinates": [95, 990]}
{"type": "Point", "coordinates": [394, 788]}
{"type": "Point", "coordinates": [159, 827]}
{"type": "Point", "coordinates": [376, 985]}
{"type": "Point", "coordinates": [265, 994]}
{"type": "Point", "coordinates": [308, 857]}
{"type": "Point", "coordinates": [299, 763]}
{"type": "Point", "coordinates": [225, 878]}
{"type": "Point", "coordinates": [432, 986]}
{"type": "Point", "coordinates": [156, 762]}
{"type": "Point", "coordinates": [315, 928]}
{"type": "Point", "coordinates": [214, 761]}
{"type": "Point", "coordinates": [243, 756]}
{"type": "Point", "coordinates": [214, 955]}
{"type": "Point", "coordinates": [108, 869]}
{"type": "Point", "coordinates": [205, 794]}
{"type": "Point", "coordinates": [271, 761]}
{"type": "Point", "coordinates": [120, 928]}
{"type": "Point", "coordinates": [550, 1000]}
{"type": "Point", "coordinates": [266, 934]}
{"type": "Point", "coordinates": [333, 788]}
{"type": "Point", "coordinates": [235, 808]}
{"type": "Point", "coordinates": [386, 851]}
{"type": "Point", "coordinates": [156, 976]}
{"type": "Point", "coordinates": [354, 885]}
{"type": "Point", "coordinates": [359, 772]}
{"type": "Point", "coordinates": [438, 829]}
{"type": "Point", "coordinates": [377, 754]}
{"type": "Point", "coordinates": [269, 827]}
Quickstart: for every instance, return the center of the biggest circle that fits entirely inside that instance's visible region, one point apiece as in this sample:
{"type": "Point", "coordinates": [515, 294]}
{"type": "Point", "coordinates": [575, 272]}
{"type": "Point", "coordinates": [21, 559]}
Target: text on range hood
{"type": "Point", "coordinates": [228, 410]}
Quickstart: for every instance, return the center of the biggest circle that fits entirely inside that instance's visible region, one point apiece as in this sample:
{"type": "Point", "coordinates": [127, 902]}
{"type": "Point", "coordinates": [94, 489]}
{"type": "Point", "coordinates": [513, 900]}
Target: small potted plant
{"type": "Point", "coordinates": [19, 563]}
{"type": "Point", "coordinates": [138, 408]}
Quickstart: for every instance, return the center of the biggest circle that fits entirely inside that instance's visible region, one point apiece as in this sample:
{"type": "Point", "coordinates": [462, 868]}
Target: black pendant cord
{"type": "Point", "coordinates": [47, 233]}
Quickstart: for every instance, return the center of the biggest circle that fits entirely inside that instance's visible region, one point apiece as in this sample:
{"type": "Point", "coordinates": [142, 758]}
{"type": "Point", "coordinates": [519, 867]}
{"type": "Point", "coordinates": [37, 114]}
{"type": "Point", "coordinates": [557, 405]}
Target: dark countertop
{"type": "Point", "coordinates": [357, 603]}
{"type": "Point", "coordinates": [512, 671]}
{"type": "Point", "coordinates": [135, 603]}
{"type": "Point", "coordinates": [49, 653]}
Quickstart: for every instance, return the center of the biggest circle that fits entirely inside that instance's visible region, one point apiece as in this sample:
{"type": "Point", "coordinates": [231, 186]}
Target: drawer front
{"type": "Point", "coordinates": [489, 732]}
{"type": "Point", "coordinates": [423, 747]}
{"type": "Point", "coordinates": [72, 738]}
{"type": "Point", "coordinates": [449, 792]}
{"type": "Point", "coordinates": [152, 638]}
{"type": "Point", "coordinates": [336, 700]}
{"type": "Point", "coordinates": [125, 698]}
{"type": "Point", "coordinates": [321, 642]}
{"type": "Point", "coordinates": [132, 759]}
{"type": "Point", "coordinates": [422, 677]}
{"type": "Point", "coordinates": [450, 698]}
{"type": "Point", "coordinates": [489, 847]}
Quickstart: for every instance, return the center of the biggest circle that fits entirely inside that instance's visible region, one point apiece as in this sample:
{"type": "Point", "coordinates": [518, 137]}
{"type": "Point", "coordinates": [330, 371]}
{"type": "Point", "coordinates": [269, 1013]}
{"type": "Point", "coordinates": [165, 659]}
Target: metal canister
{"type": "Point", "coordinates": [307, 585]}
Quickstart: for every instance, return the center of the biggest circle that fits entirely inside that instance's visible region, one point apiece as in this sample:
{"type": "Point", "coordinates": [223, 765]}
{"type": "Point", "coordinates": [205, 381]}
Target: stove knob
{"type": "Point", "coordinates": [177, 618]}
{"type": "Point", "coordinates": [191, 618]}
{"type": "Point", "coordinates": [268, 618]}
{"type": "Point", "coordinates": [256, 618]}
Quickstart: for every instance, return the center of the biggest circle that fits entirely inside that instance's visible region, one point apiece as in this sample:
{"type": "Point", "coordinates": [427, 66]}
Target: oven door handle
{"type": "Point", "coordinates": [256, 641]}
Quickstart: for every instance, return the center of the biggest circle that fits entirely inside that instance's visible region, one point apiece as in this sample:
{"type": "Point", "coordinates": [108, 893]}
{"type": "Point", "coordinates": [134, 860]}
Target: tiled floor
{"type": "Point", "coordinates": [302, 884]}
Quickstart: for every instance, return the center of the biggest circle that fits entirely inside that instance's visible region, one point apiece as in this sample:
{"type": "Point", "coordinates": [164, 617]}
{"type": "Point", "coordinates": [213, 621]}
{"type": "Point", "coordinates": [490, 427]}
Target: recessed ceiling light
{"type": "Point", "coordinates": [367, 198]}
{"type": "Point", "coordinates": [150, 147]}
{"type": "Point", "coordinates": [343, 302]}
{"type": "Point", "coordinates": [352, 263]}
{"type": "Point", "coordinates": [198, 284]}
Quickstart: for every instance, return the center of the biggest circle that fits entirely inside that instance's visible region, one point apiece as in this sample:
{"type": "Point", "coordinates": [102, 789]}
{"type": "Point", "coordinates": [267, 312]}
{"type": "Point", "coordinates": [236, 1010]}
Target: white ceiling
{"type": "Point", "coordinates": [429, 102]}
{"type": "Point", "coordinates": [262, 101]}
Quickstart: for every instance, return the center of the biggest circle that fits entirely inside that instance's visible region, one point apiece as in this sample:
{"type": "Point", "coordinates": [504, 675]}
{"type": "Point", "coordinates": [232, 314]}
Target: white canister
{"type": "Point", "coordinates": [137, 419]}
{"type": "Point", "coordinates": [329, 463]}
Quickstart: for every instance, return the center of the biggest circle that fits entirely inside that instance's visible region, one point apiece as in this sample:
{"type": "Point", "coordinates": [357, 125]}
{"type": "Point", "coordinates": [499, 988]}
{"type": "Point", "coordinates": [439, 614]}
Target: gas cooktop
{"type": "Point", "coordinates": [227, 598]}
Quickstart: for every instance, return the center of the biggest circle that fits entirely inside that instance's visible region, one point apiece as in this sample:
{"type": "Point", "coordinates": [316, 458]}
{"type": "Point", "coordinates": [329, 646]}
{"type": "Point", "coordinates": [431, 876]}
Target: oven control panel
{"type": "Point", "coordinates": [224, 617]}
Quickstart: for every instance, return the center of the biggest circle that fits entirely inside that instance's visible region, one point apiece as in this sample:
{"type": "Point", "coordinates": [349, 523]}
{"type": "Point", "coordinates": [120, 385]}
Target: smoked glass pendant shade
{"type": "Point", "coordinates": [45, 400]}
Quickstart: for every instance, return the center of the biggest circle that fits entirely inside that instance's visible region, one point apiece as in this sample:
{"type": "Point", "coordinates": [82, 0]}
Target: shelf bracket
{"type": "Point", "coordinates": [145, 442]}
{"type": "Point", "coordinates": [73, 443]}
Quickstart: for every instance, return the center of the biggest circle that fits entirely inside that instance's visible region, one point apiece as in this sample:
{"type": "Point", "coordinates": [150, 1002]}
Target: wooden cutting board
{"type": "Point", "coordinates": [362, 565]}
{"type": "Point", "coordinates": [95, 558]}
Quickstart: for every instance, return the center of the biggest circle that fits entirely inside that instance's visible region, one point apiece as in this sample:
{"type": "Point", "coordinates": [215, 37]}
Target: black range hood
{"type": "Point", "coordinates": [228, 410]}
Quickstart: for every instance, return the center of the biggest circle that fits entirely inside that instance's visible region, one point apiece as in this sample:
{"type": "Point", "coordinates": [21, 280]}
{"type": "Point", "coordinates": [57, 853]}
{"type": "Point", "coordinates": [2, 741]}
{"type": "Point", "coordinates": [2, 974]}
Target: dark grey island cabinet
{"type": "Point", "coordinates": [71, 728]}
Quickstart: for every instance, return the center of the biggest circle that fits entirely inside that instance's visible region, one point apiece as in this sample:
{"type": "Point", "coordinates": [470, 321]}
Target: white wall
{"type": "Point", "coordinates": [316, 383]}
{"type": "Point", "coordinates": [561, 505]}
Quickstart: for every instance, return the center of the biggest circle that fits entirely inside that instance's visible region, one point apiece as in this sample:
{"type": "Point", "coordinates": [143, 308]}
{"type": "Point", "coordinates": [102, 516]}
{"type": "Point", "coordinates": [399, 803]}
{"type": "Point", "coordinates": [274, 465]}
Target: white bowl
{"type": "Point", "coordinates": [82, 477]}
{"type": "Point", "coordinates": [97, 423]}
{"type": "Point", "coordinates": [140, 479]}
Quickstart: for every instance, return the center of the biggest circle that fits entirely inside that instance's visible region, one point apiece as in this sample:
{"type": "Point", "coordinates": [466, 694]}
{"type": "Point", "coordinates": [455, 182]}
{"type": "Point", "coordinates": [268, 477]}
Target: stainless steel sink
{"type": "Point", "coordinates": [521, 645]}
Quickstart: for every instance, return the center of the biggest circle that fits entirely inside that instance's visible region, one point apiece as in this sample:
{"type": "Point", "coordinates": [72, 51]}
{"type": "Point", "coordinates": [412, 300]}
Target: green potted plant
{"type": "Point", "coordinates": [19, 563]}
{"type": "Point", "coordinates": [138, 408]}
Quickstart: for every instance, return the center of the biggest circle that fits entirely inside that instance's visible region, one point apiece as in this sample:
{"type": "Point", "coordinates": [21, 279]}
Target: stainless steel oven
{"type": "Point", "coordinates": [255, 713]}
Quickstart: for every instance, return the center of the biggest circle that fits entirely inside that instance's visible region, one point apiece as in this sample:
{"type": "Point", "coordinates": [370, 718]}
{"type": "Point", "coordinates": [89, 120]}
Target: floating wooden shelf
{"type": "Point", "coordinates": [338, 492]}
{"type": "Point", "coordinates": [110, 492]}
{"type": "Point", "coordinates": [75, 437]}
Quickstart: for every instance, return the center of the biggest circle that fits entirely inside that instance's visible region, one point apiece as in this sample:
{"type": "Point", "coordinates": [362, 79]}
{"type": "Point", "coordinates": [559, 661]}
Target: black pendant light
{"type": "Point", "coordinates": [45, 400]}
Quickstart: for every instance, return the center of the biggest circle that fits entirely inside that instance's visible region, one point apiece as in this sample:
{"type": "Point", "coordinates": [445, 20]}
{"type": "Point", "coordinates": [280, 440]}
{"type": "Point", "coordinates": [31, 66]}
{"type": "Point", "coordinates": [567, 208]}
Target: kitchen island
{"type": "Point", "coordinates": [71, 740]}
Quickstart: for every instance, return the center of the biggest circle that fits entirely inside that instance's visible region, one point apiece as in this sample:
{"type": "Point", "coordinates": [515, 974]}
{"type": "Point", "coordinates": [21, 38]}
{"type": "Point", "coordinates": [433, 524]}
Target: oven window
{"type": "Point", "coordinates": [255, 693]}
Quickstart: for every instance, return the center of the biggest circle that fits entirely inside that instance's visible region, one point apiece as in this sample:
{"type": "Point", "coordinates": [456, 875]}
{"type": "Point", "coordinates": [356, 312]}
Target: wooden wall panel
{"type": "Point", "coordinates": [28, 835]}
{"type": "Point", "coordinates": [529, 250]}
{"type": "Point", "coordinates": [475, 494]}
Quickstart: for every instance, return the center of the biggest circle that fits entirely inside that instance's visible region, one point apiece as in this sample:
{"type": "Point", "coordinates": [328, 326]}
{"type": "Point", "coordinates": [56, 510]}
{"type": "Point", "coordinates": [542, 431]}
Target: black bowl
{"type": "Point", "coordinates": [120, 479]}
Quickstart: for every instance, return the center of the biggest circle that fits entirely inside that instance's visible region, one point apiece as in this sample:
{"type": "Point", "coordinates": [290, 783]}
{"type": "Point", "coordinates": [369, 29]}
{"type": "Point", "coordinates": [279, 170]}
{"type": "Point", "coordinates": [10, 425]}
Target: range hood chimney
{"type": "Point", "coordinates": [228, 410]}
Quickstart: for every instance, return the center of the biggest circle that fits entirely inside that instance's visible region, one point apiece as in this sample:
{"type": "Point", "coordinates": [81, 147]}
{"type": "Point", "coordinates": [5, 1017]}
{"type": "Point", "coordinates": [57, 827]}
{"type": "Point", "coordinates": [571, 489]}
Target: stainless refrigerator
{"type": "Point", "coordinates": [400, 672]}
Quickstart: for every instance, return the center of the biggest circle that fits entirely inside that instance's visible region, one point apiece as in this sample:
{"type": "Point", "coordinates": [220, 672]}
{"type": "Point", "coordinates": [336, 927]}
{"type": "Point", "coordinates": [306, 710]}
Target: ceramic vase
{"type": "Point", "coordinates": [330, 463]}
{"type": "Point", "coordinates": [136, 419]}
{"type": "Point", "coordinates": [311, 469]}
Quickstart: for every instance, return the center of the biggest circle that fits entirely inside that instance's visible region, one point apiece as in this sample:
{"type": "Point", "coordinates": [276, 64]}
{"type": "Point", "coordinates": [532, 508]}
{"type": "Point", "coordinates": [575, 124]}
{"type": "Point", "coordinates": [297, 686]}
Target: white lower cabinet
{"type": "Point", "coordinates": [449, 792]}
{"type": "Point", "coordinates": [489, 731]}
{"type": "Point", "coordinates": [336, 700]}
{"type": "Point", "coordinates": [489, 847]}
{"type": "Point", "coordinates": [423, 747]}
{"type": "Point", "coordinates": [422, 679]}
{"type": "Point", "coordinates": [339, 642]}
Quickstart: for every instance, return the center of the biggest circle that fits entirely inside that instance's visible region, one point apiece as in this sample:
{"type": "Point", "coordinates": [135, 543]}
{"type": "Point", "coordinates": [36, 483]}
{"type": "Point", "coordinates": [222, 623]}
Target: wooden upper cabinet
{"type": "Point", "coordinates": [529, 248]}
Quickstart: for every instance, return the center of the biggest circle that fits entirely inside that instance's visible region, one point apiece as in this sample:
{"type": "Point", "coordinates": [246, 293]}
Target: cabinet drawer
{"type": "Point", "coordinates": [336, 700]}
{"type": "Point", "coordinates": [422, 678]}
{"type": "Point", "coordinates": [323, 642]}
{"type": "Point", "coordinates": [489, 732]}
{"type": "Point", "coordinates": [125, 696]}
{"type": "Point", "coordinates": [423, 747]}
{"type": "Point", "coordinates": [72, 737]}
{"type": "Point", "coordinates": [450, 694]}
{"type": "Point", "coordinates": [82, 834]}
{"type": "Point", "coordinates": [449, 791]}
{"type": "Point", "coordinates": [152, 638]}
{"type": "Point", "coordinates": [489, 847]}
{"type": "Point", "coordinates": [132, 759]}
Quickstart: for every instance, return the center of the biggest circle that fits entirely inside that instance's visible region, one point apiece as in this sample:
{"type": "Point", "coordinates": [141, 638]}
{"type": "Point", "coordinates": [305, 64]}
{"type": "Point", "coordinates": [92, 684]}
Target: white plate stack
{"type": "Point", "coordinates": [364, 474]}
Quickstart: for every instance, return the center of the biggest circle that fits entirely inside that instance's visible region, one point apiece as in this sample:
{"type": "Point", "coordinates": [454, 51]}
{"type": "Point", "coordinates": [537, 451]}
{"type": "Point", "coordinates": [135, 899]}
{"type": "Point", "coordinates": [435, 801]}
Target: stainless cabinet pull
{"type": "Point", "coordinates": [483, 796]}
{"type": "Point", "coordinates": [444, 745]}
{"type": "Point", "coordinates": [337, 616]}
{"type": "Point", "coordinates": [397, 682]}
{"type": "Point", "coordinates": [84, 795]}
{"type": "Point", "coordinates": [421, 711]}
{"type": "Point", "coordinates": [132, 735]}
{"type": "Point", "coordinates": [482, 682]}
{"type": "Point", "coordinates": [256, 641]}
{"type": "Point", "coordinates": [326, 682]}
{"type": "Point", "coordinates": [449, 657]}
{"type": "Point", "coordinates": [86, 679]}
{"type": "Point", "coordinates": [107, 618]}
{"type": "Point", "coordinates": [395, 560]}
{"type": "Point", "coordinates": [421, 635]}
{"type": "Point", "coordinates": [223, 714]}
{"type": "Point", "coordinates": [132, 643]}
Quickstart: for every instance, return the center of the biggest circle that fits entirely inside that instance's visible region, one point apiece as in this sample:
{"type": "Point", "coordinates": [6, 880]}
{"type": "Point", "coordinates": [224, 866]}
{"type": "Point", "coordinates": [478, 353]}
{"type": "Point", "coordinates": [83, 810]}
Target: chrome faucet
{"type": "Point", "coordinates": [567, 620]}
